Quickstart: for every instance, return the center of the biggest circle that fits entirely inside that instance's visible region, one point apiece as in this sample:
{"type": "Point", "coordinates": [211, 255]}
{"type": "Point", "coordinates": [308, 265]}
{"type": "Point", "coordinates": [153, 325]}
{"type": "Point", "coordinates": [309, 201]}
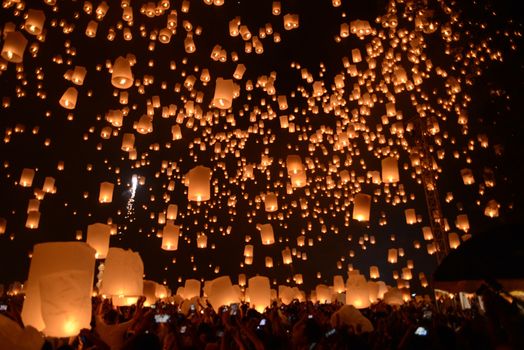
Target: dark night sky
{"type": "Point", "coordinates": [495, 109]}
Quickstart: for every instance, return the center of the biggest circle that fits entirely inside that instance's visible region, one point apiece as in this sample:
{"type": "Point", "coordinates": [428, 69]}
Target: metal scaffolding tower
{"type": "Point", "coordinates": [429, 182]}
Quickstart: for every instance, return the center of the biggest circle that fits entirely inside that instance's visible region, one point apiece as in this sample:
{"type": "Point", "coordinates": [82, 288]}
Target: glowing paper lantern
{"type": "Point", "coordinates": [98, 238]}
{"type": "Point", "coordinates": [149, 292]}
{"type": "Point", "coordinates": [66, 302]}
{"type": "Point", "coordinates": [198, 183]}
{"type": "Point", "coordinates": [106, 192]}
{"type": "Point", "coordinates": [338, 284]}
{"type": "Point", "coordinates": [122, 274]}
{"type": "Point", "coordinates": [294, 165]}
{"type": "Point", "coordinates": [26, 179]}
{"type": "Point", "coordinates": [362, 207]}
{"type": "Point", "coordinates": [66, 271]}
{"type": "Point", "coordinates": [462, 222]}
{"type": "Point", "coordinates": [271, 202]}
{"type": "Point", "coordinates": [467, 176]}
{"type": "Point", "coordinates": [172, 211]}
{"type": "Point", "coordinates": [291, 21]}
{"type": "Point", "coordinates": [392, 255]}
{"type": "Point", "coordinates": [248, 251]}
{"type": "Point", "coordinates": [14, 47]}
{"type": "Point", "coordinates": [411, 216]}
{"type": "Point", "coordinates": [221, 292]}
{"type": "Point", "coordinates": [373, 272]}
{"type": "Point", "coordinates": [202, 241]}
{"type": "Point", "coordinates": [266, 234]}
{"type": "Point", "coordinates": [33, 219]}
{"type": "Point", "coordinates": [3, 225]}
{"type": "Point", "coordinates": [394, 297]}
{"type": "Point", "coordinates": [454, 240]}
{"type": "Point", "coordinates": [122, 76]}
{"type": "Point", "coordinates": [191, 289]}
{"type": "Point", "coordinates": [269, 262]}
{"type": "Point", "coordinates": [390, 170]}
{"type": "Point", "coordinates": [170, 237]}
{"type": "Point", "coordinates": [259, 293]}
{"type": "Point", "coordinates": [128, 142]}
{"type": "Point", "coordinates": [224, 89]}
{"type": "Point", "coordinates": [286, 256]}
{"type": "Point", "coordinates": [34, 22]}
{"type": "Point", "coordinates": [357, 293]}
{"type": "Point", "coordinates": [323, 293]}
{"type": "Point", "coordinates": [427, 233]}
{"type": "Point", "coordinates": [68, 99]}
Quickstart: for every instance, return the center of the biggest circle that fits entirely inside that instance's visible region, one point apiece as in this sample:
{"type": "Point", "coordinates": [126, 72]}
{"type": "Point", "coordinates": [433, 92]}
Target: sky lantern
{"type": "Point", "coordinates": [338, 284]}
{"type": "Point", "coordinates": [454, 240]}
{"type": "Point", "coordinates": [357, 292]}
{"type": "Point", "coordinates": [467, 176]}
{"type": "Point", "coordinates": [33, 219]}
{"type": "Point", "coordinates": [266, 234]}
{"type": "Point", "coordinates": [34, 23]}
{"type": "Point", "coordinates": [411, 216]}
{"type": "Point", "coordinates": [374, 272]}
{"type": "Point", "coordinates": [106, 192]}
{"type": "Point", "coordinates": [291, 21]}
{"type": "Point", "coordinates": [14, 47]}
{"type": "Point", "coordinates": [259, 293]}
{"type": "Point", "coordinates": [172, 211]}
{"type": "Point", "coordinates": [3, 225]}
{"type": "Point", "coordinates": [122, 274]}
{"type": "Point", "coordinates": [269, 262]}
{"type": "Point", "coordinates": [270, 202]}
{"type": "Point", "coordinates": [390, 170]}
{"type": "Point", "coordinates": [128, 142]}
{"type": "Point", "coordinates": [191, 288]}
{"type": "Point", "coordinates": [202, 240]}
{"type": "Point", "coordinates": [224, 89]}
{"type": "Point", "coordinates": [221, 292]}
{"type": "Point", "coordinates": [462, 222]}
{"type": "Point", "coordinates": [392, 255]}
{"type": "Point", "coordinates": [26, 178]}
{"type": "Point", "coordinates": [98, 237]}
{"type": "Point", "coordinates": [361, 207]}
{"type": "Point", "coordinates": [59, 287]}
{"type": "Point", "coordinates": [198, 183]}
{"type": "Point", "coordinates": [286, 256]}
{"type": "Point", "coordinates": [68, 99]}
{"type": "Point", "coordinates": [170, 236]}
{"type": "Point", "coordinates": [324, 293]}
{"type": "Point", "coordinates": [427, 233]}
{"type": "Point", "coordinates": [122, 76]}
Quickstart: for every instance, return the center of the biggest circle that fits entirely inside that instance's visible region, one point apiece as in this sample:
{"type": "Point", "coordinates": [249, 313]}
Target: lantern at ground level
{"type": "Point", "coordinates": [66, 271]}
{"type": "Point", "coordinates": [220, 292]}
{"type": "Point", "coordinates": [357, 292]}
{"type": "Point", "coordinates": [123, 274]}
{"type": "Point", "coordinates": [259, 293]}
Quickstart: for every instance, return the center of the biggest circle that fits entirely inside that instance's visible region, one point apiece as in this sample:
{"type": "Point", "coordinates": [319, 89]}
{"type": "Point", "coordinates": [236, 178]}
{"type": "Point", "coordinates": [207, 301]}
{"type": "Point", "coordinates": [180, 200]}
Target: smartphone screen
{"type": "Point", "coordinates": [421, 331]}
{"type": "Point", "coordinates": [183, 329]}
{"type": "Point", "coordinates": [162, 318]}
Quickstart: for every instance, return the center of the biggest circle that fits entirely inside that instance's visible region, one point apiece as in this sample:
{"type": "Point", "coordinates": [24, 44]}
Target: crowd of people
{"type": "Point", "coordinates": [299, 325]}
